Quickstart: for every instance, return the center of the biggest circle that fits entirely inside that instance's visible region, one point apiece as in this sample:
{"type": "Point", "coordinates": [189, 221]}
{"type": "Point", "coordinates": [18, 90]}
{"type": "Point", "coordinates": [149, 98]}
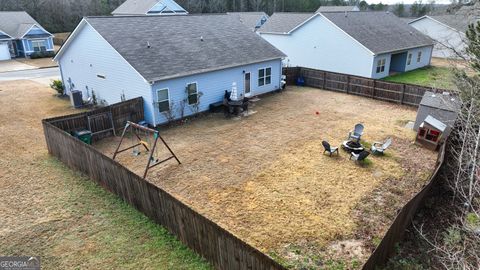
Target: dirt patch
{"type": "Point", "coordinates": [265, 179]}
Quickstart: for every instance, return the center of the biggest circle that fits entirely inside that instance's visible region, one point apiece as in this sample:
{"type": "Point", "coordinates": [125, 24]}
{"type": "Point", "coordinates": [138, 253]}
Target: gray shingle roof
{"type": "Point", "coordinates": [16, 23]}
{"type": "Point", "coordinates": [380, 32]}
{"type": "Point", "coordinates": [337, 8]}
{"type": "Point", "coordinates": [284, 22]}
{"type": "Point", "coordinates": [440, 101]}
{"type": "Point", "coordinates": [176, 46]}
{"type": "Point", "coordinates": [138, 7]}
{"type": "Point", "coordinates": [457, 22]}
{"type": "Point", "coordinates": [249, 19]}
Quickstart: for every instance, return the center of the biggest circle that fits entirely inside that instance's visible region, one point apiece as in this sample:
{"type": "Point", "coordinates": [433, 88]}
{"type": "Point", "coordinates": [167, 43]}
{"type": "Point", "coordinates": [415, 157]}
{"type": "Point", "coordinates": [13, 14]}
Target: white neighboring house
{"type": "Point", "coordinates": [448, 31]}
{"type": "Point", "coordinates": [367, 44]}
{"type": "Point", "coordinates": [149, 7]}
{"type": "Point", "coordinates": [337, 9]}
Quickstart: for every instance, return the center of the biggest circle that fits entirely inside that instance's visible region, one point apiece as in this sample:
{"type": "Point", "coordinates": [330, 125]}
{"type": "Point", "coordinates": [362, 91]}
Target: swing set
{"type": "Point", "coordinates": [149, 144]}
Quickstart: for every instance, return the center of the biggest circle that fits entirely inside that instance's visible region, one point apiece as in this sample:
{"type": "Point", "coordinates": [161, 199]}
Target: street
{"type": "Point", "coordinates": [44, 75]}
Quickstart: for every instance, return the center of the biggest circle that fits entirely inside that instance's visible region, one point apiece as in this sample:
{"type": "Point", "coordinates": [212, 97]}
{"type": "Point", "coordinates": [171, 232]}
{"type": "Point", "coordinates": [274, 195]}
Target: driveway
{"type": "Point", "coordinates": [14, 65]}
{"type": "Point", "coordinates": [43, 76]}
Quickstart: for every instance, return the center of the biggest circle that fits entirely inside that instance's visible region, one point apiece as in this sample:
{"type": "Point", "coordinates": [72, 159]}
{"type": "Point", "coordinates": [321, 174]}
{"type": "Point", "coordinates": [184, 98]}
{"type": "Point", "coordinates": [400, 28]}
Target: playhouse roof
{"type": "Point", "coordinates": [440, 101]}
{"type": "Point", "coordinates": [434, 122]}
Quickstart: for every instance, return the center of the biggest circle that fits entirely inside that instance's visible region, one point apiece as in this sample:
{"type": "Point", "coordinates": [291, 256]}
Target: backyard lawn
{"type": "Point", "coordinates": [264, 177]}
{"type": "Point", "coordinates": [433, 76]}
{"type": "Point", "coordinates": [50, 211]}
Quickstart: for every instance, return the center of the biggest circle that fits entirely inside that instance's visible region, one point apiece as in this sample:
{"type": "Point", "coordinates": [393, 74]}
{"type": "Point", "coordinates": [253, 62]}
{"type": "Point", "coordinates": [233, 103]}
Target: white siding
{"type": "Point", "coordinates": [88, 56]}
{"type": "Point", "coordinates": [213, 86]}
{"type": "Point", "coordinates": [444, 36]}
{"type": "Point", "coordinates": [321, 45]}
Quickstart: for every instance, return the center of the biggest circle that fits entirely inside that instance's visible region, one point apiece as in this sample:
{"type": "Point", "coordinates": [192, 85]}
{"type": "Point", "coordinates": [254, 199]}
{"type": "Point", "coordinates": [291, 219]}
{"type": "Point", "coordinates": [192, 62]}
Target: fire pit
{"type": "Point", "coordinates": [352, 146]}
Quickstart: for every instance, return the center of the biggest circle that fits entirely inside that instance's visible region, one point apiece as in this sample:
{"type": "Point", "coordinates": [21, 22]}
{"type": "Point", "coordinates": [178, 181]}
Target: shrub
{"type": "Point", "coordinates": [57, 85]}
{"type": "Point", "coordinates": [43, 54]}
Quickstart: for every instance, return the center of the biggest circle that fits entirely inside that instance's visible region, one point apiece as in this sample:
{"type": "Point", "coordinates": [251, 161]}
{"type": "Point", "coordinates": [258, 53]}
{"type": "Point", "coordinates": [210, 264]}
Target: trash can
{"type": "Point", "coordinates": [84, 136]}
{"type": "Point", "coordinates": [300, 81]}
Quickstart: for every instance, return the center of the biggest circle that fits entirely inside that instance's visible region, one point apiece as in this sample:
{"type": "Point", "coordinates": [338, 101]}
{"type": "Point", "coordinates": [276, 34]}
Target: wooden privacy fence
{"type": "Point", "coordinates": [218, 246]}
{"type": "Point", "coordinates": [409, 94]}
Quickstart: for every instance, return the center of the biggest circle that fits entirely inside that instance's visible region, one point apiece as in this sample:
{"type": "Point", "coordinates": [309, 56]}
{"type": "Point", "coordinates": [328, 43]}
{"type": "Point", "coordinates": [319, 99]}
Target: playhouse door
{"type": "Point", "coordinates": [248, 90]}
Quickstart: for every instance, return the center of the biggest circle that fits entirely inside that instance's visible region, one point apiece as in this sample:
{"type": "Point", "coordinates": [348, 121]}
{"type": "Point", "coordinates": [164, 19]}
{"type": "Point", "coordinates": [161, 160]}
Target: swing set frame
{"type": "Point", "coordinates": [133, 127]}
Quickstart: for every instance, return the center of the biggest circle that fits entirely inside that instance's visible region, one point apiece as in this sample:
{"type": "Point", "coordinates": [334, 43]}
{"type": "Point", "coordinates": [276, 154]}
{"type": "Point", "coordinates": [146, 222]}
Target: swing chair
{"type": "Point", "coordinates": [149, 144]}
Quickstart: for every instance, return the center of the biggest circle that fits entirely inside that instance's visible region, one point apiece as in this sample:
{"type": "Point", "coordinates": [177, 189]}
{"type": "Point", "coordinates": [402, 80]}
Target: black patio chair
{"type": "Point", "coordinates": [329, 149]}
{"type": "Point", "coordinates": [360, 156]}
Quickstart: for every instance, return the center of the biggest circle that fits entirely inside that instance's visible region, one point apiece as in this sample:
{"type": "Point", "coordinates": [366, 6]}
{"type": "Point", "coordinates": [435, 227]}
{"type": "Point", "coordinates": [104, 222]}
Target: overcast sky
{"type": "Point", "coordinates": [392, 2]}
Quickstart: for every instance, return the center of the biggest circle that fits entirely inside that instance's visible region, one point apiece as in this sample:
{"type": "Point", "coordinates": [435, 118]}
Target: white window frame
{"type": "Point", "coordinates": [409, 59]}
{"type": "Point", "coordinates": [188, 95]}
{"type": "Point", "coordinates": [168, 99]}
{"type": "Point", "coordinates": [419, 56]}
{"type": "Point", "coordinates": [264, 78]}
{"type": "Point", "coordinates": [44, 41]}
{"type": "Point", "coordinates": [381, 65]}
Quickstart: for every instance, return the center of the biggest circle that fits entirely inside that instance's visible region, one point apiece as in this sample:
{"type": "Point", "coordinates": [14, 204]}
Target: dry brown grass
{"type": "Point", "coordinates": [264, 177]}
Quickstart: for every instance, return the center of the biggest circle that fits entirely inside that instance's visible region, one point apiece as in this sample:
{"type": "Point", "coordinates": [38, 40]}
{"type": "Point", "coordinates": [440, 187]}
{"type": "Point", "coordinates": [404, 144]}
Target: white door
{"type": "Point", "coordinates": [4, 51]}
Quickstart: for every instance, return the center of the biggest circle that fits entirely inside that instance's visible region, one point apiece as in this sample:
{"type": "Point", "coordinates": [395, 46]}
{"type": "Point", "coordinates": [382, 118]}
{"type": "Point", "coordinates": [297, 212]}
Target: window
{"type": "Point", "coordinates": [163, 100]}
{"type": "Point", "coordinates": [192, 93]}
{"type": "Point", "coordinates": [409, 60]}
{"type": "Point", "coordinates": [39, 45]}
{"type": "Point", "coordinates": [264, 76]}
{"type": "Point", "coordinates": [381, 65]}
{"type": "Point", "coordinates": [419, 57]}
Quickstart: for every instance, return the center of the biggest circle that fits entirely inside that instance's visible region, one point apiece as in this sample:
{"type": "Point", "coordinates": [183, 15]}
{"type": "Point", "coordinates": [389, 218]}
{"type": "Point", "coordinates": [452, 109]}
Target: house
{"type": "Point", "coordinates": [337, 9]}
{"type": "Point", "coordinates": [442, 107]}
{"type": "Point", "coordinates": [149, 7]}
{"type": "Point", "coordinates": [178, 64]}
{"type": "Point", "coordinates": [448, 31]}
{"type": "Point", "coordinates": [431, 133]}
{"type": "Point", "coordinates": [252, 20]}
{"type": "Point", "coordinates": [367, 44]}
{"type": "Point", "coordinates": [22, 36]}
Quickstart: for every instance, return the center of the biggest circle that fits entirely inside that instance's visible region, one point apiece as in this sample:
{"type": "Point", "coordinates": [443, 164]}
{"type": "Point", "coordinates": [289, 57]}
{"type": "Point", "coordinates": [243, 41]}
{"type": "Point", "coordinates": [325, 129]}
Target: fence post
{"type": "Point", "coordinates": [348, 84]}
{"type": "Point", "coordinates": [324, 79]}
{"type": "Point", "coordinates": [403, 93]}
{"type": "Point", "coordinates": [374, 88]}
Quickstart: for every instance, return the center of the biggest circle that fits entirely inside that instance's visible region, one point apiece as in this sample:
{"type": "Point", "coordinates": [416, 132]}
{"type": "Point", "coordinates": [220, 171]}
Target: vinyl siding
{"type": "Point", "coordinates": [424, 61]}
{"type": "Point", "coordinates": [213, 86]}
{"type": "Point", "coordinates": [89, 55]}
{"type": "Point", "coordinates": [320, 45]}
{"type": "Point", "coordinates": [444, 36]}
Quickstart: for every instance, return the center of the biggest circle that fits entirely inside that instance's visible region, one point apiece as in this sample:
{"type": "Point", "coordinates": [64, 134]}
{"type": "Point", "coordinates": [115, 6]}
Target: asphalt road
{"type": "Point", "coordinates": [31, 74]}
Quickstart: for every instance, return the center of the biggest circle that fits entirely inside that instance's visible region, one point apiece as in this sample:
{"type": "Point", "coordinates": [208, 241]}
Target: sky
{"type": "Point", "coordinates": [392, 2]}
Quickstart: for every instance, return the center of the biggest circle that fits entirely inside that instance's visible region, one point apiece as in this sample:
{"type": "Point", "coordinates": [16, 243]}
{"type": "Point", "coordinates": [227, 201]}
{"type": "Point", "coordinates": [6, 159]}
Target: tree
{"type": "Point", "coordinates": [399, 9]}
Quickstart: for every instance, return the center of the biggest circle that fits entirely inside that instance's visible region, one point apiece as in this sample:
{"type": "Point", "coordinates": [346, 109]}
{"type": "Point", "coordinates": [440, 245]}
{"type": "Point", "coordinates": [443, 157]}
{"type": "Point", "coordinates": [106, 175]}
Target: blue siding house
{"type": "Point", "coordinates": [178, 64]}
{"type": "Point", "coordinates": [27, 36]}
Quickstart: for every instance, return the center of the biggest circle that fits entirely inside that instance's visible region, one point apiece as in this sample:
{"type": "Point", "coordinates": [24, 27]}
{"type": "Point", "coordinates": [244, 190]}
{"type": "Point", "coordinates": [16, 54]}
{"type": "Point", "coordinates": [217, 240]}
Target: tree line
{"type": "Point", "coordinates": [63, 15]}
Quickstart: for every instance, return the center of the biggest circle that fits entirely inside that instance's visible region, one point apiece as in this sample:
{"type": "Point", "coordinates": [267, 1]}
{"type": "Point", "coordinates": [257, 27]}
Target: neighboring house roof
{"type": "Point", "coordinates": [250, 19]}
{"type": "Point", "coordinates": [440, 101]}
{"type": "Point", "coordinates": [285, 22]}
{"type": "Point", "coordinates": [17, 23]}
{"type": "Point", "coordinates": [457, 22]}
{"type": "Point", "coordinates": [337, 8]}
{"type": "Point", "coordinates": [144, 7]}
{"type": "Point", "coordinates": [379, 32]}
{"type": "Point", "coordinates": [434, 122]}
{"type": "Point", "coordinates": [181, 45]}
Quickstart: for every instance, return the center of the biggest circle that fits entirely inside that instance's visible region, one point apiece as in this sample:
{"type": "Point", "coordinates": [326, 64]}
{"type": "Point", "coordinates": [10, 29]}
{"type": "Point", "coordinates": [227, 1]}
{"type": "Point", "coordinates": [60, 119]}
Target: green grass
{"type": "Point", "coordinates": [438, 77]}
{"type": "Point", "coordinates": [88, 227]}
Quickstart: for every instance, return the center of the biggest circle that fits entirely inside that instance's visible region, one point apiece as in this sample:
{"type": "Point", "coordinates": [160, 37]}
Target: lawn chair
{"type": "Point", "coordinates": [379, 148]}
{"type": "Point", "coordinates": [329, 149]}
{"type": "Point", "coordinates": [357, 133]}
{"type": "Point", "coordinates": [359, 157]}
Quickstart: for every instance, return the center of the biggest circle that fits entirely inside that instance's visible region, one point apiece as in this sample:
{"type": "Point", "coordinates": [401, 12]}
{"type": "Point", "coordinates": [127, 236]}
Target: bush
{"type": "Point", "coordinates": [44, 54]}
{"type": "Point", "coordinates": [57, 85]}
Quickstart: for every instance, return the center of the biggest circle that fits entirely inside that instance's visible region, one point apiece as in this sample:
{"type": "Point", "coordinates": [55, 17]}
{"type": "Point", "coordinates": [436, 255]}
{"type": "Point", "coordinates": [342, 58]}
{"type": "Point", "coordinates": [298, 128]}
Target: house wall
{"type": "Point", "coordinates": [212, 85]}
{"type": "Point", "coordinates": [89, 55]}
{"type": "Point", "coordinates": [424, 61]}
{"type": "Point", "coordinates": [444, 36]}
{"type": "Point", "coordinates": [321, 45]}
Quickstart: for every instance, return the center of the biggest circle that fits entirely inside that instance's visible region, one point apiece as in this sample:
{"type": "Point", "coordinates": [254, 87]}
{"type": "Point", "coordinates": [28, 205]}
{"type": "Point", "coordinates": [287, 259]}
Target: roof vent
{"type": "Point", "coordinates": [433, 95]}
{"type": "Point", "coordinates": [388, 12]}
{"type": "Point", "coordinates": [346, 14]}
{"type": "Point", "coordinates": [446, 93]}
{"type": "Point", "coordinates": [201, 38]}
{"type": "Point", "coordinates": [148, 44]}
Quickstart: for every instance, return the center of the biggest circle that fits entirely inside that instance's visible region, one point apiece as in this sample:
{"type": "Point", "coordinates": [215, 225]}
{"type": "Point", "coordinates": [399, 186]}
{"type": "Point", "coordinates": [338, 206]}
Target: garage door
{"type": "Point", "coordinates": [4, 51]}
